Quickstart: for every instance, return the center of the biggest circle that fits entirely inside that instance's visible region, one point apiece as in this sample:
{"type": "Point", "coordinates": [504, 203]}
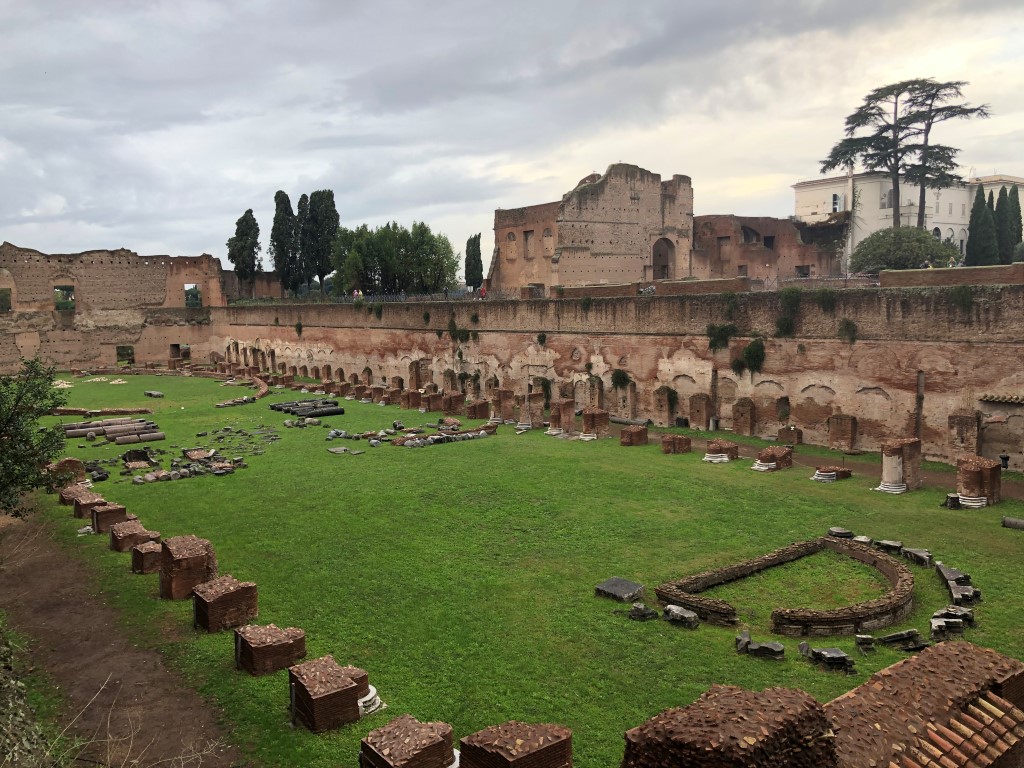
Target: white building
{"type": "Point", "coordinates": [868, 198]}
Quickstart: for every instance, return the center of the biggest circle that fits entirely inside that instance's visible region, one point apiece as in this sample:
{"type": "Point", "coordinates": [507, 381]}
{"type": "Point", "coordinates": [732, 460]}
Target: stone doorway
{"type": "Point", "coordinates": [663, 256]}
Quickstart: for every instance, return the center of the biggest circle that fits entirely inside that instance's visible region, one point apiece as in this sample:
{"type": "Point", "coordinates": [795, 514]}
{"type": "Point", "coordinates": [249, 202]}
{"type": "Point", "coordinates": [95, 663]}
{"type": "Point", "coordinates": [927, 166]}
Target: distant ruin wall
{"type": "Point", "coordinates": [906, 339]}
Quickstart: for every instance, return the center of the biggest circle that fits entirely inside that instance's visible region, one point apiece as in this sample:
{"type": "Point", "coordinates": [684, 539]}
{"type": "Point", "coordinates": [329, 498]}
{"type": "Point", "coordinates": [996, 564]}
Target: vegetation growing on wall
{"type": "Point", "coordinates": [753, 355]}
{"type": "Point", "coordinates": [542, 338]}
{"type": "Point", "coordinates": [732, 305]}
{"type": "Point", "coordinates": [719, 335]}
{"type": "Point", "coordinates": [789, 306]}
{"type": "Point", "coordinates": [586, 303]}
{"type": "Point", "coordinates": [378, 310]}
{"type": "Point", "coordinates": [962, 297]}
{"type": "Point", "coordinates": [620, 379]}
{"type": "Point", "coordinates": [671, 397]}
{"type": "Point", "coordinates": [298, 328]}
{"type": "Point", "coordinates": [738, 366]}
{"type": "Point", "coordinates": [426, 318]}
{"type": "Point", "coordinates": [825, 298]}
{"type": "Point", "coordinates": [847, 330]}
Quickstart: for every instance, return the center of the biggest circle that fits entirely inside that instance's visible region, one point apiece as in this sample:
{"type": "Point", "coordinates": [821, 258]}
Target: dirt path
{"type": "Point", "coordinates": [141, 713]}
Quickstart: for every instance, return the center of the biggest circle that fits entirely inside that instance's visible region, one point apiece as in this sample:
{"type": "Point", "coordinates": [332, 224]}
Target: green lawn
{"type": "Point", "coordinates": [461, 576]}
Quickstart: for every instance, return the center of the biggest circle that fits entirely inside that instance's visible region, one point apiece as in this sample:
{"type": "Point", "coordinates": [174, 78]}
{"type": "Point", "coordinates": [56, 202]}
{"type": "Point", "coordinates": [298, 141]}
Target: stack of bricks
{"type": "Point", "coordinates": [790, 435]}
{"type": "Point", "coordinates": [146, 557]}
{"type": "Point", "coordinates": [223, 603]}
{"type": "Point", "coordinates": [124, 536]}
{"type": "Point", "coordinates": [452, 405]}
{"type": "Point", "coordinates": [535, 406]}
{"type": "Point", "coordinates": [779, 455]}
{"type": "Point", "coordinates": [71, 493]}
{"type": "Point", "coordinates": [376, 393]}
{"type": "Point", "coordinates": [728, 727]}
{"type": "Point", "coordinates": [324, 694]}
{"type": "Point", "coordinates": [743, 421]}
{"type": "Point", "coordinates": [675, 444]}
{"type": "Point", "coordinates": [978, 478]}
{"type": "Point", "coordinates": [435, 401]}
{"type": "Point", "coordinates": [522, 745]}
{"type": "Point", "coordinates": [185, 563]}
{"type": "Point", "coordinates": [84, 501]}
{"type": "Point", "coordinates": [842, 432]}
{"type": "Point", "coordinates": [106, 515]}
{"type": "Point", "coordinates": [567, 411]}
{"type": "Point", "coordinates": [634, 434]}
{"type": "Point", "coordinates": [260, 650]}
{"type": "Point", "coordinates": [478, 409]}
{"type": "Point", "coordinates": [908, 449]}
{"type": "Point", "coordinates": [405, 742]}
{"type": "Point", "coordinates": [723, 448]}
{"type": "Point", "coordinates": [595, 421]}
{"type": "Point", "coordinates": [411, 399]}
{"type": "Point", "coordinates": [67, 470]}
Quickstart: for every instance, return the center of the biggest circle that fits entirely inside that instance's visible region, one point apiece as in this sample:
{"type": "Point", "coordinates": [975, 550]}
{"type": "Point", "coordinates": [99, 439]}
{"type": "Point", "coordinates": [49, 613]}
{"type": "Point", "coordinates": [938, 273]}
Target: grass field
{"type": "Point", "coordinates": [461, 576]}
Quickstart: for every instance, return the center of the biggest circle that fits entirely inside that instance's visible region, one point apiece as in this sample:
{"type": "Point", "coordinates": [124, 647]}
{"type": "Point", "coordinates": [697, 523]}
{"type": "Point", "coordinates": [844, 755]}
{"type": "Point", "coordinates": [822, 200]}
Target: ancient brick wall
{"type": "Point", "coordinates": [524, 245]}
{"type": "Point", "coordinates": [761, 248]}
{"type": "Point", "coordinates": [1002, 274]}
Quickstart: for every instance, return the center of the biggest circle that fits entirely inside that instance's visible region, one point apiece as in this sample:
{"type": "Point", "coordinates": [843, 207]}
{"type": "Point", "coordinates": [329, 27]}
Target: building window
{"type": "Point", "coordinates": [769, 242]}
{"type": "Point", "coordinates": [937, 233]}
{"type": "Point", "coordinates": [511, 237]}
{"type": "Point", "coordinates": [886, 199]}
{"type": "Point", "coordinates": [64, 298]}
{"type": "Point", "coordinates": [741, 270]}
{"type": "Point", "coordinates": [803, 270]}
{"type": "Point", "coordinates": [950, 209]}
{"type": "Point", "coordinates": [835, 203]}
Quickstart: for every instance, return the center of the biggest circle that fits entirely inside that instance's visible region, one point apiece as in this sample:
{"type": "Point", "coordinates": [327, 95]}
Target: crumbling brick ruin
{"type": "Point", "coordinates": [260, 650]}
{"type": "Point", "coordinates": [324, 694]}
{"type": "Point", "coordinates": [978, 481]}
{"type": "Point", "coordinates": [185, 563]}
{"type": "Point", "coordinates": [893, 607]}
{"type": "Point", "coordinates": [405, 742]}
{"type": "Point", "coordinates": [958, 393]}
{"type": "Point", "coordinates": [223, 603]}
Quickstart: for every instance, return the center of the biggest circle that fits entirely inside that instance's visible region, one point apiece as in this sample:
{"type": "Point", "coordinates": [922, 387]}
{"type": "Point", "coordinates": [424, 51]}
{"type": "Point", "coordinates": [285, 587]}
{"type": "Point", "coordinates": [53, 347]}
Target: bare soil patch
{"type": "Point", "coordinates": [132, 710]}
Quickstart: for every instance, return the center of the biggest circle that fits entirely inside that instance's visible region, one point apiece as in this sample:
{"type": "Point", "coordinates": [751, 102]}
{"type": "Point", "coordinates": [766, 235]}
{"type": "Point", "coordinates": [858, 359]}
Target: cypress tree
{"type": "Point", "coordinates": [991, 201]}
{"type": "Point", "coordinates": [982, 246]}
{"type": "Point", "coordinates": [282, 239]}
{"type": "Point", "coordinates": [474, 263]}
{"type": "Point", "coordinates": [1004, 237]}
{"type": "Point", "coordinates": [1015, 217]}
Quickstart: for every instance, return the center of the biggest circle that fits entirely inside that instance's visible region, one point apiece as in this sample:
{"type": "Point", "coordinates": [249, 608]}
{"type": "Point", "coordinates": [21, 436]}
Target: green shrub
{"type": "Point", "coordinates": [719, 335]}
{"type": "Point", "coordinates": [738, 366]}
{"type": "Point", "coordinates": [463, 335]}
{"type": "Point", "coordinates": [358, 302]}
{"type": "Point", "coordinates": [378, 310]}
{"type": "Point", "coordinates": [586, 303]}
{"type": "Point", "coordinates": [847, 330]}
{"type": "Point", "coordinates": [589, 367]}
{"type": "Point", "coordinates": [426, 318]}
{"type": "Point", "coordinates": [439, 333]}
{"type": "Point", "coordinates": [474, 318]}
{"type": "Point", "coordinates": [541, 338]}
{"type": "Point", "coordinates": [298, 328]}
{"type": "Point", "coordinates": [753, 355]}
{"type": "Point", "coordinates": [453, 329]}
{"type": "Point", "coordinates": [475, 335]}
{"type": "Point", "coordinates": [789, 305]}
{"type": "Point", "coordinates": [901, 248]}
{"type": "Point", "coordinates": [784, 327]}
{"type": "Point", "coordinates": [732, 305]}
{"type": "Point", "coordinates": [620, 379]}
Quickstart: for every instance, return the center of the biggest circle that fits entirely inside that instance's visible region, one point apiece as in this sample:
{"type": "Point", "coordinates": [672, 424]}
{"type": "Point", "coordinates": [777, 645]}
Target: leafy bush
{"type": "Point", "coordinates": [358, 303]}
{"type": "Point", "coordinates": [719, 335]}
{"type": "Point", "coordinates": [732, 304]}
{"type": "Point", "coordinates": [298, 328]}
{"type": "Point", "coordinates": [463, 335]}
{"type": "Point", "coordinates": [753, 355]}
{"type": "Point", "coordinates": [586, 303]}
{"type": "Point", "coordinates": [1018, 252]}
{"type": "Point", "coordinates": [847, 330]}
{"type": "Point", "coordinates": [474, 318]}
{"type": "Point", "coordinates": [475, 335]}
{"type": "Point", "coordinates": [439, 333]}
{"type": "Point", "coordinates": [620, 379]}
{"type": "Point", "coordinates": [789, 304]}
{"type": "Point", "coordinates": [453, 329]}
{"type": "Point", "coordinates": [901, 248]}
{"type": "Point", "coordinates": [738, 366]}
{"type": "Point", "coordinates": [378, 310]}
{"type": "Point", "coordinates": [426, 318]}
{"type": "Point", "coordinates": [541, 338]}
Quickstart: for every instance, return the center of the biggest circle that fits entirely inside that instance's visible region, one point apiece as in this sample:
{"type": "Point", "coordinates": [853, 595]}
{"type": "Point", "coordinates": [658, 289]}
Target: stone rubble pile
{"type": "Point", "coordinates": [829, 659]}
{"type": "Point", "coordinates": [260, 650]}
{"type": "Point", "coordinates": [522, 745]}
{"type": "Point", "coordinates": [405, 742]}
{"type": "Point", "coordinates": [961, 591]}
{"type": "Point", "coordinates": [223, 603]}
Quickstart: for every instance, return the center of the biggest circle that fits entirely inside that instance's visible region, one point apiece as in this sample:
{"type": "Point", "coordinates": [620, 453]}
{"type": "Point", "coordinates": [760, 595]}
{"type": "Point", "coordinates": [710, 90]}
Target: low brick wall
{"type": "Point", "coordinates": [1000, 274]}
{"type": "Point", "coordinates": [891, 608]}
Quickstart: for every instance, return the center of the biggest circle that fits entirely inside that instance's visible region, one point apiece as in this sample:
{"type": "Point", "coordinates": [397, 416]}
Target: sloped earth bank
{"type": "Point", "coordinates": [132, 710]}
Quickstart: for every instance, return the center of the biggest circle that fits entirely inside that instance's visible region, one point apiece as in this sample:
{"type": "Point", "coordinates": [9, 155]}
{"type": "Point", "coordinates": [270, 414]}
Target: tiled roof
{"type": "Point", "coordinates": [901, 712]}
{"type": "Point", "coordinates": [975, 738]}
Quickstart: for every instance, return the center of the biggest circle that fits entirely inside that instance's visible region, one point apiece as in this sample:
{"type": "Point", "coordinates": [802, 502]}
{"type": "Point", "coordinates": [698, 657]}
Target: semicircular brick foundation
{"type": "Point", "coordinates": [891, 608]}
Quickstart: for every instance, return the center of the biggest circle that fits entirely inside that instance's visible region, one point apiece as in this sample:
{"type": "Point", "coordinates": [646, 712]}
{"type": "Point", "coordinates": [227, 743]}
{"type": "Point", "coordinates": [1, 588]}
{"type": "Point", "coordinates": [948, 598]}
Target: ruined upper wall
{"type": "Point", "coordinates": [120, 279]}
{"type": "Point", "coordinates": [1002, 274]}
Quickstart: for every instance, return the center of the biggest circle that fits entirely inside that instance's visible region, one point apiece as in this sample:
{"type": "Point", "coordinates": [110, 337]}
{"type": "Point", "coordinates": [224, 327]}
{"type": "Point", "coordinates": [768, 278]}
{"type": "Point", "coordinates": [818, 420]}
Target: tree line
{"type": "Point", "coordinates": [309, 243]}
{"type": "Point", "coordinates": [892, 132]}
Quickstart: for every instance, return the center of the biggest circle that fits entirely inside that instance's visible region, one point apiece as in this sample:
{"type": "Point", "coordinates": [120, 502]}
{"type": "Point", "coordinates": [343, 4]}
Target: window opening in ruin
{"type": "Point", "coordinates": [64, 298]}
{"type": "Point", "coordinates": [886, 199]}
{"type": "Point", "coordinates": [125, 355]}
{"type": "Point", "coordinates": [5, 299]}
{"type": "Point", "coordinates": [528, 244]}
{"type": "Point", "coordinates": [750, 235]}
{"type": "Point", "coordinates": [186, 352]}
{"type": "Point", "coordinates": [193, 296]}
{"type": "Point", "coordinates": [782, 409]}
{"type": "Point", "coordinates": [663, 254]}
{"type": "Point", "coordinates": [174, 351]}
{"type": "Point", "coordinates": [511, 237]}
{"type": "Point", "coordinates": [835, 203]}
{"type": "Point", "coordinates": [803, 270]}
{"type": "Point", "coordinates": [741, 270]}
{"type": "Point", "coordinates": [769, 242]}
{"type": "Point", "coordinates": [723, 241]}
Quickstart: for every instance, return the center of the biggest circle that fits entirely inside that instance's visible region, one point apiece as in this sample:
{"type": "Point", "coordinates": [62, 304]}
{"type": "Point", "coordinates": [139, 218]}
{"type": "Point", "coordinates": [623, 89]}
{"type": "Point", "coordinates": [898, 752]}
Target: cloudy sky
{"type": "Point", "coordinates": [154, 125]}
